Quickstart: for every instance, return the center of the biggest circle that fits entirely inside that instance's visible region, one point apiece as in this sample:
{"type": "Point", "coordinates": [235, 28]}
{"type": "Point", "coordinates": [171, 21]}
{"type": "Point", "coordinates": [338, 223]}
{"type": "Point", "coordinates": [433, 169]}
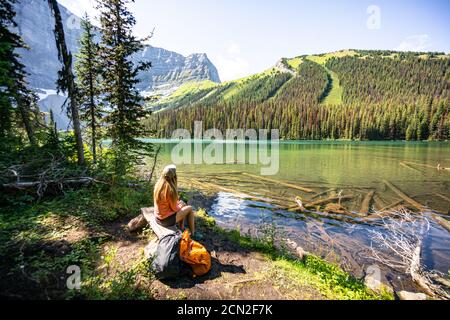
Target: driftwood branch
{"type": "Point", "coordinates": [399, 245]}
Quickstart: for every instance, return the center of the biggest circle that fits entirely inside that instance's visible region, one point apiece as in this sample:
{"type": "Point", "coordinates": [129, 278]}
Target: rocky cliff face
{"type": "Point", "coordinates": [170, 70]}
{"type": "Point", "coordinates": [35, 24]}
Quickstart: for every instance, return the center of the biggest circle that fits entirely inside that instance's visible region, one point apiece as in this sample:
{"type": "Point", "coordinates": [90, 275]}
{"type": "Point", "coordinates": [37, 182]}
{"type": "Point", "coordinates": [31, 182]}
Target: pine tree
{"type": "Point", "coordinates": [66, 80]}
{"type": "Point", "coordinates": [53, 137]}
{"type": "Point", "coordinates": [15, 96]}
{"type": "Point", "coordinates": [88, 82]}
{"type": "Point", "coordinates": [119, 79]}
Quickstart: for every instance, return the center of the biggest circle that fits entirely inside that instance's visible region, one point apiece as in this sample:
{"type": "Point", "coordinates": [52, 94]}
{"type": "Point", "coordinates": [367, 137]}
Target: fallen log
{"type": "Point", "coordinates": [442, 197]}
{"type": "Point", "coordinates": [379, 202]}
{"type": "Point", "coordinates": [137, 223]}
{"type": "Point", "coordinates": [378, 215]}
{"type": "Point", "coordinates": [392, 205]}
{"type": "Point", "coordinates": [289, 185]}
{"type": "Point", "coordinates": [33, 184]}
{"type": "Point", "coordinates": [328, 200]}
{"type": "Point", "coordinates": [437, 167]}
{"type": "Point", "coordinates": [236, 192]}
{"type": "Point", "coordinates": [365, 206]}
{"type": "Point", "coordinates": [335, 208]}
{"type": "Point", "coordinates": [441, 221]}
{"type": "Point", "coordinates": [317, 195]}
{"type": "Point", "coordinates": [409, 167]}
{"type": "Point", "coordinates": [402, 195]}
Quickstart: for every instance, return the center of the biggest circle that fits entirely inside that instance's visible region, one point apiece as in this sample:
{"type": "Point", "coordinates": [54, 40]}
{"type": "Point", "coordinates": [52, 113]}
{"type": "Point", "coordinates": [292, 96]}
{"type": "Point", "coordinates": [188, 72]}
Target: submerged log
{"type": "Point", "coordinates": [365, 206]}
{"type": "Point", "coordinates": [437, 167]}
{"type": "Point", "coordinates": [328, 200]}
{"type": "Point", "coordinates": [441, 221]}
{"type": "Point", "coordinates": [323, 193]}
{"type": "Point", "coordinates": [379, 202]}
{"type": "Point", "coordinates": [402, 195]}
{"type": "Point", "coordinates": [335, 208]}
{"type": "Point", "coordinates": [243, 195]}
{"type": "Point", "coordinates": [378, 215]}
{"type": "Point", "coordinates": [392, 205]}
{"type": "Point", "coordinates": [442, 197]}
{"type": "Point", "coordinates": [286, 184]}
{"type": "Point", "coordinates": [409, 167]}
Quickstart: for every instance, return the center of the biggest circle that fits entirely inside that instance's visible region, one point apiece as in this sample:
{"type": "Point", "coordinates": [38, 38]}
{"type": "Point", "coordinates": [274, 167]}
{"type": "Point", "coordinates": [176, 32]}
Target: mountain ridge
{"type": "Point", "coordinates": [347, 94]}
{"type": "Point", "coordinates": [35, 24]}
{"type": "Point", "coordinates": [290, 66]}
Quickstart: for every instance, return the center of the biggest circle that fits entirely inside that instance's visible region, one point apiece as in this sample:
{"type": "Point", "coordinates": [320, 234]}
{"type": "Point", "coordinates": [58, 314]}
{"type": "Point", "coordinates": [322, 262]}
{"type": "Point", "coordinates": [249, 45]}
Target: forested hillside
{"type": "Point", "coordinates": [368, 95]}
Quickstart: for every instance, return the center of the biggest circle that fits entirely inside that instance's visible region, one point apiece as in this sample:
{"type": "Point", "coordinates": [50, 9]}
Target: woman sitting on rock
{"type": "Point", "coordinates": [169, 209]}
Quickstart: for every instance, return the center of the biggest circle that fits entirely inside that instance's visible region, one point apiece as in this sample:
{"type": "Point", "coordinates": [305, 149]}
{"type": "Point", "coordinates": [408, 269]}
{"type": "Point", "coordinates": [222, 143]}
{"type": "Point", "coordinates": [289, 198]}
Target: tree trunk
{"type": "Point", "coordinates": [25, 115]}
{"type": "Point", "coordinates": [69, 83]}
{"type": "Point", "coordinates": [93, 124]}
{"type": "Point", "coordinates": [94, 142]}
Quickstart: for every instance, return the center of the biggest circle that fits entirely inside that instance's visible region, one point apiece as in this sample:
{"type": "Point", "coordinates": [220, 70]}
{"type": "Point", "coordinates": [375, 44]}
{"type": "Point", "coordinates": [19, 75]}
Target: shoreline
{"type": "Point", "coordinates": [87, 228]}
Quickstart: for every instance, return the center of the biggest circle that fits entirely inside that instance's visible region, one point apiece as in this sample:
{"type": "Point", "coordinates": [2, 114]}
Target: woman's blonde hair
{"type": "Point", "coordinates": [166, 187]}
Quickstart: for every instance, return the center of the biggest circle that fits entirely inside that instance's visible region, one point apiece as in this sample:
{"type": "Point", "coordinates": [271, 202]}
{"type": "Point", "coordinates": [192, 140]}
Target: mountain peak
{"type": "Point", "coordinates": [35, 24]}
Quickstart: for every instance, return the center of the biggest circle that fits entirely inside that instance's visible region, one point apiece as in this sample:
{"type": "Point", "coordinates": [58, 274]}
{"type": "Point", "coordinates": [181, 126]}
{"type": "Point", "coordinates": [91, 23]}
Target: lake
{"type": "Point", "coordinates": [243, 199]}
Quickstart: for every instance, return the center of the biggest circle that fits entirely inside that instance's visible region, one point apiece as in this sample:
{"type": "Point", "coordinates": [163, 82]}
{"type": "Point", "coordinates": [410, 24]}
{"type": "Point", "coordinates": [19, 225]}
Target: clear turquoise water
{"type": "Point", "coordinates": [350, 167]}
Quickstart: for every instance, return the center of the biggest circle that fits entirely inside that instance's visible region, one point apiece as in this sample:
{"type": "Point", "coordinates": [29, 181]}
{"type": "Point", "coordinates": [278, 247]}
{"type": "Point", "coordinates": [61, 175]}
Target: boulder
{"type": "Point", "coordinates": [405, 295]}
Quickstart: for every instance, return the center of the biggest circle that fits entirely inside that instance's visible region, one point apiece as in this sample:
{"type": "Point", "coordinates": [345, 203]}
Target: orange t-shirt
{"type": "Point", "coordinates": [165, 208]}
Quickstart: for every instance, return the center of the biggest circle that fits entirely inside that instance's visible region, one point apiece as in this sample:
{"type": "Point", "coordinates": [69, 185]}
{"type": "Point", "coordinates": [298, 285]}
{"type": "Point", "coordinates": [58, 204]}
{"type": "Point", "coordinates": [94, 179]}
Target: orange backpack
{"type": "Point", "coordinates": [194, 254]}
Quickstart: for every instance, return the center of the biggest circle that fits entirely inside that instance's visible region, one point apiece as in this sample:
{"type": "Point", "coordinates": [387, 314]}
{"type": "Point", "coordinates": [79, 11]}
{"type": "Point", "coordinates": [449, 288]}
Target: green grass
{"type": "Point", "coordinates": [267, 72]}
{"type": "Point", "coordinates": [191, 87]}
{"type": "Point", "coordinates": [323, 58]}
{"type": "Point", "coordinates": [334, 97]}
{"type": "Point", "coordinates": [192, 92]}
{"type": "Point", "coordinates": [295, 62]}
{"type": "Point", "coordinates": [36, 245]}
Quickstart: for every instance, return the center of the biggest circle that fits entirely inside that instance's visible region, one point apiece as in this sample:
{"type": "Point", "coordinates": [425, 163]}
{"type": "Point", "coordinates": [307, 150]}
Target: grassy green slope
{"type": "Point", "coordinates": [255, 87]}
{"type": "Point", "coordinates": [334, 96]}
{"type": "Point", "coordinates": [258, 88]}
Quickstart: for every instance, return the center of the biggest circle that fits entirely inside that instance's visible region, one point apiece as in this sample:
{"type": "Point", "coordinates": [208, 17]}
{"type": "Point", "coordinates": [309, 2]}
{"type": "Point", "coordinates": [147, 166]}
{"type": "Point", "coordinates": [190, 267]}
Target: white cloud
{"type": "Point", "coordinates": [421, 42]}
{"type": "Point", "coordinates": [231, 65]}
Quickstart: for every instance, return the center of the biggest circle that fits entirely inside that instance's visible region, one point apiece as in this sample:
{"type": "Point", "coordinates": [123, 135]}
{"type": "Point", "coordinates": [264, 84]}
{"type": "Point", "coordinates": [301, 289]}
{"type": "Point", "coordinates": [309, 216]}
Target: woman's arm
{"type": "Point", "coordinates": [175, 206]}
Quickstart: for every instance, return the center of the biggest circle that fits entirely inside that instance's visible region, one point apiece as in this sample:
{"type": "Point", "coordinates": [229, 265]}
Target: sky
{"type": "Point", "coordinates": [244, 37]}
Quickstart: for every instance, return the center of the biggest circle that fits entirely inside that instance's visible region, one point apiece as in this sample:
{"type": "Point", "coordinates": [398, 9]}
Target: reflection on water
{"type": "Point", "coordinates": [353, 168]}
